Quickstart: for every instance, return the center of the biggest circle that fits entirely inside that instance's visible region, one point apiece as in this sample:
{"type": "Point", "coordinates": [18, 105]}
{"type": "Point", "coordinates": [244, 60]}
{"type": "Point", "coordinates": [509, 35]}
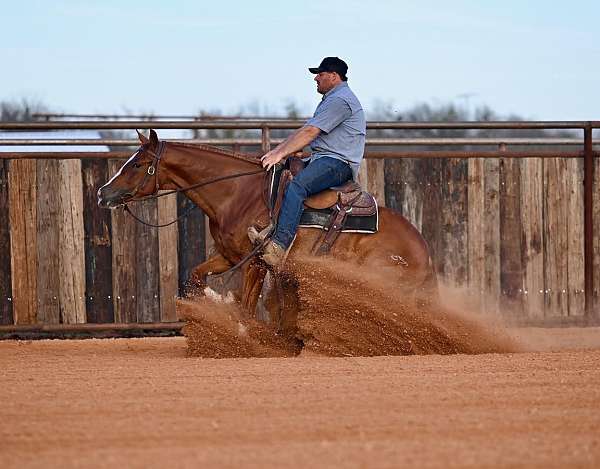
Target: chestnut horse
{"type": "Point", "coordinates": [235, 203]}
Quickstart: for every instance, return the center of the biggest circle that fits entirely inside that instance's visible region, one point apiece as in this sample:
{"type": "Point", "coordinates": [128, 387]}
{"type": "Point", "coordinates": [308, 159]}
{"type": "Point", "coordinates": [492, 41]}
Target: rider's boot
{"type": "Point", "coordinates": [274, 254]}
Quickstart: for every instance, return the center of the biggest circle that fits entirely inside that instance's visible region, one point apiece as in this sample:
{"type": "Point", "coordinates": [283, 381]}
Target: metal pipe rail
{"type": "Point", "coordinates": [256, 141]}
{"type": "Point", "coordinates": [102, 155]}
{"type": "Point", "coordinates": [291, 124]}
{"type": "Point", "coordinates": [156, 117]}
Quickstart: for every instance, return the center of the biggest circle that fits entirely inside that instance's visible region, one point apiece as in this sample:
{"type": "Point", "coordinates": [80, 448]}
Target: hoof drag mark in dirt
{"type": "Point", "coordinates": [217, 330]}
{"type": "Point", "coordinates": [347, 313]}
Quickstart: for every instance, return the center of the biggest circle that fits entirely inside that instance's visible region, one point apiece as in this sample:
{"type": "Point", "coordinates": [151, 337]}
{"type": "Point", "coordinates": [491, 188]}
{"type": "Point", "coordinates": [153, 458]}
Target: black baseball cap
{"type": "Point", "coordinates": [331, 64]}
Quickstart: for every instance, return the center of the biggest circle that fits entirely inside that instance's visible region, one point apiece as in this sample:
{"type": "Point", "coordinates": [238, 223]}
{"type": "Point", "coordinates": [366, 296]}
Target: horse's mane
{"type": "Point", "coordinates": [220, 151]}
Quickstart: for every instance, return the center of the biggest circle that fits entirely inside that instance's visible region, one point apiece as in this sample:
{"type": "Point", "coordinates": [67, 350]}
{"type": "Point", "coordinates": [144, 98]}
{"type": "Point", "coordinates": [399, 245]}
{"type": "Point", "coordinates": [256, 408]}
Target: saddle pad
{"type": "Point", "coordinates": [319, 218]}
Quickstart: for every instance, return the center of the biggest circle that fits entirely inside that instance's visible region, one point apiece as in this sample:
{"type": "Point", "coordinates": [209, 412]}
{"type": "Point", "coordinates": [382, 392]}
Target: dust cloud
{"type": "Point", "coordinates": [215, 329]}
{"type": "Point", "coordinates": [343, 312]}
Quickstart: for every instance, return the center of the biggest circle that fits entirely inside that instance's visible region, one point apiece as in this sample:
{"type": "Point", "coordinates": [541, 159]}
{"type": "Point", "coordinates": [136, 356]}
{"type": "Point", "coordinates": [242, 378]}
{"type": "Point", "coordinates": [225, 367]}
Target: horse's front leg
{"type": "Point", "coordinates": [215, 264]}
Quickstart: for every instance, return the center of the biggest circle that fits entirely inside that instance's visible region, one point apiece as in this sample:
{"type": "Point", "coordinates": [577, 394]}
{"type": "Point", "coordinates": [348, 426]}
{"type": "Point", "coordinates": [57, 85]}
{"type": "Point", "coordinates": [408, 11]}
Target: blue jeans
{"type": "Point", "coordinates": [319, 175]}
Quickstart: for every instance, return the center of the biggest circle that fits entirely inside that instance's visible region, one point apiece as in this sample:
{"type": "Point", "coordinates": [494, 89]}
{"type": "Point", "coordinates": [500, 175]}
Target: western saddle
{"type": "Point", "coordinates": [346, 200]}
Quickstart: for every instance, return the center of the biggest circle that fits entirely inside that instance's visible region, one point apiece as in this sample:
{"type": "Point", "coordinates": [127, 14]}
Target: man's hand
{"type": "Point", "coordinates": [271, 158]}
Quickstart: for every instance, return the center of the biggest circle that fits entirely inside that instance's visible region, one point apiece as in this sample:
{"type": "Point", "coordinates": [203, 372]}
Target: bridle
{"type": "Point", "coordinates": [151, 171]}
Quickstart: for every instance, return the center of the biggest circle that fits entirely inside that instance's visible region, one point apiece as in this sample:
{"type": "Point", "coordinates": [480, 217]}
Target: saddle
{"type": "Point", "coordinates": [345, 208]}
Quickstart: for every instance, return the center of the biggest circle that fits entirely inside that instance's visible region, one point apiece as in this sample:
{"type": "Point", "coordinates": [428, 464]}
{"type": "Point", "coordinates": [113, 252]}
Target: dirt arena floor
{"type": "Point", "coordinates": [146, 403]}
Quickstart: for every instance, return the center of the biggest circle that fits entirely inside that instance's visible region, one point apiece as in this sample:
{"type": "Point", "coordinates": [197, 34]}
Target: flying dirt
{"type": "Point", "coordinates": [343, 312]}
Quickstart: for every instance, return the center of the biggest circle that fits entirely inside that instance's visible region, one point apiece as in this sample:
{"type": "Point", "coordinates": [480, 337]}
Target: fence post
{"type": "Point", "coordinates": [588, 165]}
{"type": "Point", "coordinates": [266, 138]}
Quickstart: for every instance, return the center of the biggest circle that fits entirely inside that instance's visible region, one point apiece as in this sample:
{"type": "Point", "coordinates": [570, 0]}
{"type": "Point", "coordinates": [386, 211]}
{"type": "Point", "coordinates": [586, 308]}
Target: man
{"type": "Point", "coordinates": [336, 134]}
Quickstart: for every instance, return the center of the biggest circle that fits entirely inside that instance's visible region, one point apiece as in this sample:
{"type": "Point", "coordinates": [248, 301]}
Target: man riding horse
{"type": "Point", "coordinates": [336, 134]}
{"type": "Point", "coordinates": [228, 187]}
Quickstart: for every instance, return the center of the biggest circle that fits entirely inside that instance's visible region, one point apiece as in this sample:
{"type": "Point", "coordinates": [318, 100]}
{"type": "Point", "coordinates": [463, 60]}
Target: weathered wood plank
{"type": "Point", "coordinates": [22, 192]}
{"type": "Point", "coordinates": [148, 274]}
{"type": "Point", "coordinates": [532, 233]}
{"type": "Point", "coordinates": [191, 230]}
{"type": "Point", "coordinates": [492, 235]}
{"type": "Point", "coordinates": [596, 216]}
{"type": "Point", "coordinates": [48, 208]}
{"type": "Point", "coordinates": [6, 310]}
{"type": "Point", "coordinates": [363, 174]}
{"type": "Point", "coordinates": [511, 268]}
{"type": "Point", "coordinates": [167, 252]}
{"type": "Point", "coordinates": [484, 234]}
{"type": "Point", "coordinates": [454, 220]}
{"type": "Point", "coordinates": [404, 188]}
{"type": "Point", "coordinates": [98, 245]}
{"type": "Point", "coordinates": [575, 234]}
{"type": "Point", "coordinates": [476, 253]}
{"type": "Point", "coordinates": [376, 179]}
{"type": "Point", "coordinates": [556, 238]}
{"type": "Point", "coordinates": [124, 255]}
{"type": "Point", "coordinates": [392, 176]}
{"type": "Point", "coordinates": [430, 178]}
{"type": "Point", "coordinates": [71, 244]}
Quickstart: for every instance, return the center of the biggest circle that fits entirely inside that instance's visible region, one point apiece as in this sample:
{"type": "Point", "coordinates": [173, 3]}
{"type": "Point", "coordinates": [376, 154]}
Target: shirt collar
{"type": "Point", "coordinates": [337, 87]}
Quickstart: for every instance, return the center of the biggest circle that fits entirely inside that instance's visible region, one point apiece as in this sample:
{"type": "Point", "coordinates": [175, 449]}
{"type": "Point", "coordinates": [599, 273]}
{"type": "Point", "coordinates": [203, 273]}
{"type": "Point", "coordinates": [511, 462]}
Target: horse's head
{"type": "Point", "coordinates": [137, 178]}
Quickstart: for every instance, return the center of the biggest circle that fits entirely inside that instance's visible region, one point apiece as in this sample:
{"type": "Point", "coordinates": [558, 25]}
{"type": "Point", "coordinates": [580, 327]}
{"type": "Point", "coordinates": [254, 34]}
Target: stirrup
{"type": "Point", "coordinates": [258, 237]}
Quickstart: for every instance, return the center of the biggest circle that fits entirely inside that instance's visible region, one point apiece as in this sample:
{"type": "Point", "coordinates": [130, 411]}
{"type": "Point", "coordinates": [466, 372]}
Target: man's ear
{"type": "Point", "coordinates": [142, 137]}
{"type": "Point", "coordinates": [153, 138]}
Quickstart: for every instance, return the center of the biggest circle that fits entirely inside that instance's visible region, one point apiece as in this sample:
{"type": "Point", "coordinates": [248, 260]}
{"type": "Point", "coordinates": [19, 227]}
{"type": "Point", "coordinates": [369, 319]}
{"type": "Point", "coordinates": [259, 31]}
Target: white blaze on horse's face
{"type": "Point", "coordinates": [118, 173]}
{"type": "Point", "coordinates": [124, 184]}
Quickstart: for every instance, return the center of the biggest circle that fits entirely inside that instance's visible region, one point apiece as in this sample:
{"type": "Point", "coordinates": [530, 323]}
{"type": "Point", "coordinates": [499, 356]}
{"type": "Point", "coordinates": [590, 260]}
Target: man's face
{"type": "Point", "coordinates": [326, 81]}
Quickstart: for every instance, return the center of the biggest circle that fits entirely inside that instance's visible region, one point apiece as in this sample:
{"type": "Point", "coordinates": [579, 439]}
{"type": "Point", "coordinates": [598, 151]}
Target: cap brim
{"type": "Point", "coordinates": [314, 70]}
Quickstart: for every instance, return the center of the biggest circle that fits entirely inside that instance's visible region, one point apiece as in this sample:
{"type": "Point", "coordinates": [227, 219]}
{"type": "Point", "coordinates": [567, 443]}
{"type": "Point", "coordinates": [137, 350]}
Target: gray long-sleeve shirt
{"type": "Point", "coordinates": [341, 119]}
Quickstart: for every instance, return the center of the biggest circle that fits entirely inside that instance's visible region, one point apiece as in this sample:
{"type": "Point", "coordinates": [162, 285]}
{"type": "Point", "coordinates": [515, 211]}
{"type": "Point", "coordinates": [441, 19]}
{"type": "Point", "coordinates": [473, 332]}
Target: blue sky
{"type": "Point", "coordinates": [537, 59]}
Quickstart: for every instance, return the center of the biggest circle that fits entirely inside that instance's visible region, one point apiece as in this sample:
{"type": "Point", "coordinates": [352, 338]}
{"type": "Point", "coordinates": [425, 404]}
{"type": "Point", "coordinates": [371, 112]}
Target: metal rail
{"type": "Point", "coordinates": [197, 117]}
{"type": "Point", "coordinates": [292, 124]}
{"type": "Point", "coordinates": [261, 141]}
{"type": "Point", "coordinates": [369, 154]}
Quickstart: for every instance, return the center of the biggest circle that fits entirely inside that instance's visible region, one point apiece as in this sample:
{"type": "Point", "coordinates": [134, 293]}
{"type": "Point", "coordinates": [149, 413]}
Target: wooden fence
{"type": "Point", "coordinates": [509, 232]}
{"type": "Point", "coordinates": [66, 261]}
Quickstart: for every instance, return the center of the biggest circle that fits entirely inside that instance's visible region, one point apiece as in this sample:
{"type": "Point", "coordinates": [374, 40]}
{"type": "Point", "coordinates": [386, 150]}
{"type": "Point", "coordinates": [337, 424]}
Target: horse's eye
{"type": "Point", "coordinates": [136, 165]}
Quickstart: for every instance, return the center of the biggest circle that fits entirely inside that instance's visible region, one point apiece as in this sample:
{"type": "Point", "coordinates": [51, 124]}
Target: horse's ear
{"type": "Point", "coordinates": [153, 138]}
{"type": "Point", "coordinates": [142, 137]}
